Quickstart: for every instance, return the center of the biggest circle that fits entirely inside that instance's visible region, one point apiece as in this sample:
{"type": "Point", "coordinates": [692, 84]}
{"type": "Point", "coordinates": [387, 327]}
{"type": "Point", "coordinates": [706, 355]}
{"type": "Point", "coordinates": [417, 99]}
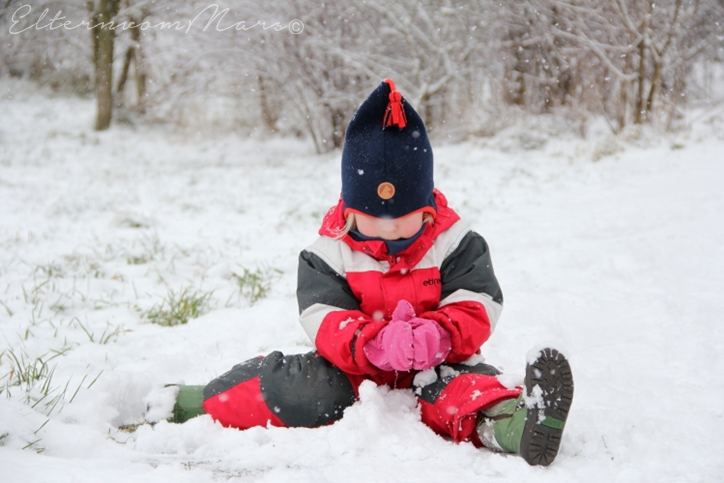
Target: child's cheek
{"type": "Point", "coordinates": [411, 229]}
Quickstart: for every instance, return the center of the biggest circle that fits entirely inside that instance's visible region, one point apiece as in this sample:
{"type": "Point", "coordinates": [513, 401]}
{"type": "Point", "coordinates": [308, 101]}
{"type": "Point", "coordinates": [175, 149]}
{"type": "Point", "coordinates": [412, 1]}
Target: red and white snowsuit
{"type": "Point", "coordinates": [347, 291]}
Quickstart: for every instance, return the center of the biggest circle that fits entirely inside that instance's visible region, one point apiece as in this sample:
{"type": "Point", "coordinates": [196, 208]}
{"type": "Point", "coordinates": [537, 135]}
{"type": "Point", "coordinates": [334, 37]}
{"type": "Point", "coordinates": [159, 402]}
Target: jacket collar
{"type": "Point", "coordinates": [334, 222]}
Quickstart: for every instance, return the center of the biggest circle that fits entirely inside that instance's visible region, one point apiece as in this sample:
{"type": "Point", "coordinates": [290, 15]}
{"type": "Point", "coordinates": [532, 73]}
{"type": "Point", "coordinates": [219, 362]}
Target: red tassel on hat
{"type": "Point", "coordinates": [395, 112]}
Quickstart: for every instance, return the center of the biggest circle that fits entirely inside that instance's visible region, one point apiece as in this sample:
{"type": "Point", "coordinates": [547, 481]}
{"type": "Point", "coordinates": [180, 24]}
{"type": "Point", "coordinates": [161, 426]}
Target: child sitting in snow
{"type": "Point", "coordinates": [396, 284]}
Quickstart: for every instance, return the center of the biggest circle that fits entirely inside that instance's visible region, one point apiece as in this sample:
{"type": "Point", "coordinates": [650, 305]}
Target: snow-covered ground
{"type": "Point", "coordinates": [619, 262]}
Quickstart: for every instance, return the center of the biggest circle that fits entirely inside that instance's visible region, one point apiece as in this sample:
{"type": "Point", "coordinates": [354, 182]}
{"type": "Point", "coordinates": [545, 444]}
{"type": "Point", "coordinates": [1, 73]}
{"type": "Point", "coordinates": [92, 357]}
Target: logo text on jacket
{"type": "Point", "coordinates": [432, 281]}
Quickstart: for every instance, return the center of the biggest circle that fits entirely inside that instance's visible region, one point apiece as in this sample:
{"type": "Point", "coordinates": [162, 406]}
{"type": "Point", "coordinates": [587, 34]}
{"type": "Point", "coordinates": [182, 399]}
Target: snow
{"type": "Point", "coordinates": [619, 262]}
{"type": "Point", "coordinates": [424, 378]}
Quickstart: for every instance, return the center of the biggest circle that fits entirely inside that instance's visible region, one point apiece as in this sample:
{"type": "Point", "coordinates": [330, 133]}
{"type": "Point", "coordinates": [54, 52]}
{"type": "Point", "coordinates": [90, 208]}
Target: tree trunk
{"type": "Point", "coordinates": [102, 37]}
{"type": "Point", "coordinates": [640, 113]}
{"type": "Point", "coordinates": [655, 83]}
{"type": "Point", "coordinates": [518, 92]}
{"type": "Point", "coordinates": [140, 68]}
{"type": "Point", "coordinates": [133, 55]}
{"type": "Point", "coordinates": [128, 58]}
{"type": "Point", "coordinates": [338, 120]}
{"type": "Point", "coordinates": [644, 45]}
{"type": "Point", "coordinates": [425, 111]}
{"type": "Point", "coordinates": [268, 113]}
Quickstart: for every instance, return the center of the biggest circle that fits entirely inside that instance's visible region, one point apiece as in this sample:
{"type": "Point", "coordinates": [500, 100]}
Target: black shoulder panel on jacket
{"type": "Point", "coordinates": [317, 282]}
{"type": "Point", "coordinates": [469, 267]}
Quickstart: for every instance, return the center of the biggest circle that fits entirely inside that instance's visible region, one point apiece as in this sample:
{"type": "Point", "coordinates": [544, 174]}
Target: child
{"type": "Point", "coordinates": [396, 284]}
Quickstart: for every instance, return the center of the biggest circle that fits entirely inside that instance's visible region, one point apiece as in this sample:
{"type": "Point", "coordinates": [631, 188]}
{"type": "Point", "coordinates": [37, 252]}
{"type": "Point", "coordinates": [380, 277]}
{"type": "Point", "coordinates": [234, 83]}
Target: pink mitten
{"type": "Point", "coordinates": [408, 342]}
{"type": "Point", "coordinates": [391, 349]}
{"type": "Point", "coordinates": [404, 311]}
{"type": "Point", "coordinates": [431, 343]}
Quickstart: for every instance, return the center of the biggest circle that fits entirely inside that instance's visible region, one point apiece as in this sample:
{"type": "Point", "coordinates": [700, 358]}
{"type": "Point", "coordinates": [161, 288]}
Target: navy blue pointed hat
{"type": "Point", "coordinates": [387, 158]}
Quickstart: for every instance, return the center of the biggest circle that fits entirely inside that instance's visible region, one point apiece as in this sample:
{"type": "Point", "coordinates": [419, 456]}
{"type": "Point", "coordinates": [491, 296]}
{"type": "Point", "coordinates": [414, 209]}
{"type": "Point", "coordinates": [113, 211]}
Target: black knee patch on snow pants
{"type": "Point", "coordinates": [302, 390]}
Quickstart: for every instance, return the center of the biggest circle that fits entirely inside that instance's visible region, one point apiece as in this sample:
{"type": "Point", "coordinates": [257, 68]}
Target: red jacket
{"type": "Point", "coordinates": [347, 289]}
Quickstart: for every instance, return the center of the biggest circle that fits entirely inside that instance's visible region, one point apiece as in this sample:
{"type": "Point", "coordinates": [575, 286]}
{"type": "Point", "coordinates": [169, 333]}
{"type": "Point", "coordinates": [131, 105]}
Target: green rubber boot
{"type": "Point", "coordinates": [189, 404]}
{"type": "Point", "coordinates": [532, 425]}
{"type": "Point", "coordinates": [501, 426]}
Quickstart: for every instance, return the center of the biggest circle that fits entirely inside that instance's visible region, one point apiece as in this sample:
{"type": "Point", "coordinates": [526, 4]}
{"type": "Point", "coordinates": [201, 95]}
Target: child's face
{"type": "Point", "coordinates": [389, 229]}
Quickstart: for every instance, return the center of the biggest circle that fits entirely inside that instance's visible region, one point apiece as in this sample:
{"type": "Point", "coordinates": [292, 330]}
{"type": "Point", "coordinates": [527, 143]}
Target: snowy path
{"type": "Point", "coordinates": [618, 262]}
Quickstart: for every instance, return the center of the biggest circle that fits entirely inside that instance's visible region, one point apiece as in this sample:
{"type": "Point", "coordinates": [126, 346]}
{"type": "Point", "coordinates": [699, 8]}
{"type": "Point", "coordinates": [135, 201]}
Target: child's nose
{"type": "Point", "coordinates": [387, 226]}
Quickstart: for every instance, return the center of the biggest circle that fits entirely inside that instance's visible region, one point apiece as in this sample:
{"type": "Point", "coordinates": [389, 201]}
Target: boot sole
{"type": "Point", "coordinates": [551, 373]}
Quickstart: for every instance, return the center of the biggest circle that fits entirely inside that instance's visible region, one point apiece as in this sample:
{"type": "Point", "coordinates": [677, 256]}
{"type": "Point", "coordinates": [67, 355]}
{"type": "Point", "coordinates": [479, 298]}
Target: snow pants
{"type": "Point", "coordinates": [305, 390]}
